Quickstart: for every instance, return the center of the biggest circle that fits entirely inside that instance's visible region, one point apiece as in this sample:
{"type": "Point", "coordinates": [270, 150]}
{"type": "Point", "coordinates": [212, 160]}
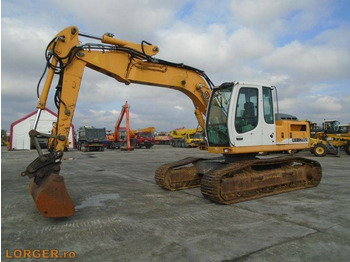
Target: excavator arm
{"type": "Point", "coordinates": [126, 62]}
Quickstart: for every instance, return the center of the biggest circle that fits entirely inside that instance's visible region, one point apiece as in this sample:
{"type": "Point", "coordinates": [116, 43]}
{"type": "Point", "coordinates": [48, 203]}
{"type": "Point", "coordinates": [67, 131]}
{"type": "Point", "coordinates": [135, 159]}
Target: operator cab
{"type": "Point", "coordinates": [331, 126]}
{"type": "Point", "coordinates": [240, 115]}
{"type": "Point", "coordinates": [343, 129]}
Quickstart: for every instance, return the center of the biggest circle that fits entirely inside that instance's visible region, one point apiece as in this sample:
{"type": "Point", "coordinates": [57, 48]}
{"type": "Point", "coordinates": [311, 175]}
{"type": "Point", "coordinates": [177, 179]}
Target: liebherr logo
{"type": "Point", "coordinates": [300, 140]}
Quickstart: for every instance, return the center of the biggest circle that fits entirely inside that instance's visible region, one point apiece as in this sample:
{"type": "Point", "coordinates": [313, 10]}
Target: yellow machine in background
{"type": "Point", "coordinates": [186, 137]}
{"type": "Point", "coordinates": [238, 119]}
{"type": "Point", "coordinates": [147, 130]}
{"type": "Point", "coordinates": [330, 139]}
{"type": "Point", "coordinates": [5, 139]}
{"type": "Point", "coordinates": [162, 138]}
{"type": "Point", "coordinates": [344, 129]}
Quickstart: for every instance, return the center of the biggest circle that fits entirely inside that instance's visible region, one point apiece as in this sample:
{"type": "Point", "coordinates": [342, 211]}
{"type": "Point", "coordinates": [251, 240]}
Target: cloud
{"type": "Point", "coordinates": [315, 63]}
{"type": "Point", "coordinates": [317, 108]}
{"type": "Point", "coordinates": [179, 107]}
{"type": "Point", "coordinates": [213, 49]}
{"type": "Point", "coordinates": [23, 47]}
{"type": "Point", "coordinates": [280, 17]}
{"type": "Point", "coordinates": [337, 37]}
{"type": "Point", "coordinates": [129, 19]}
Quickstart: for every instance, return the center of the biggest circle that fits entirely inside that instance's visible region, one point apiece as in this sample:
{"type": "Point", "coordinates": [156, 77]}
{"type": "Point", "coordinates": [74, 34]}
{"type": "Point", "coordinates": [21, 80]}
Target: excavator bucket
{"type": "Point", "coordinates": [47, 187]}
{"type": "Point", "coordinates": [51, 197]}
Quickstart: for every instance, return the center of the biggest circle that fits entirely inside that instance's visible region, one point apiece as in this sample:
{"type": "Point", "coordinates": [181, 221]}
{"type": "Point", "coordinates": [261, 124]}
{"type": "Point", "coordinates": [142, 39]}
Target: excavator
{"type": "Point", "coordinates": [115, 137]}
{"type": "Point", "coordinates": [238, 118]}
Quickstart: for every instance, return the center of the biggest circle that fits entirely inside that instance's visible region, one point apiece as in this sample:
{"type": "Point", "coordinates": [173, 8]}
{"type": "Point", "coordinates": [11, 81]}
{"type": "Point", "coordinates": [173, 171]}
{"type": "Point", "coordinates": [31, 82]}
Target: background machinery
{"type": "Point", "coordinates": [91, 139]}
{"type": "Point", "coordinates": [143, 137]}
{"type": "Point", "coordinates": [116, 140]}
{"type": "Point", "coordinates": [5, 139]}
{"type": "Point", "coordinates": [314, 128]}
{"type": "Point", "coordinates": [330, 139]}
{"type": "Point", "coordinates": [240, 122]}
{"type": "Point", "coordinates": [344, 128]}
{"type": "Point", "coordinates": [111, 137]}
{"type": "Point", "coordinates": [186, 137]}
{"type": "Point", "coordinates": [162, 138]}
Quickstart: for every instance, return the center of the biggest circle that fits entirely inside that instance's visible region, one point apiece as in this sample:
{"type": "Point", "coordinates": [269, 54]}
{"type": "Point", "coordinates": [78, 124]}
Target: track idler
{"type": "Point", "coordinates": [47, 186]}
{"type": "Point", "coordinates": [178, 175]}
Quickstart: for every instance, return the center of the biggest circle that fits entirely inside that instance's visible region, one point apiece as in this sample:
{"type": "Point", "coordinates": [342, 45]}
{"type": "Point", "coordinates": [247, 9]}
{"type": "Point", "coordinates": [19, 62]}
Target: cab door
{"type": "Point", "coordinates": [245, 127]}
{"type": "Point", "coordinates": [268, 118]}
{"type": "Point", "coordinates": [253, 122]}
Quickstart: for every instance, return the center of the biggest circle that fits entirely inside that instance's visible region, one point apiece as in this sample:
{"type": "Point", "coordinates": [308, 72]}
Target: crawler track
{"type": "Point", "coordinates": [252, 179]}
{"type": "Point", "coordinates": [178, 175]}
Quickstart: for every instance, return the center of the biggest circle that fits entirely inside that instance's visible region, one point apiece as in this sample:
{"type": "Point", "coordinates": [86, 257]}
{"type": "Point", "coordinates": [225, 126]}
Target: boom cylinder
{"type": "Point", "coordinates": [147, 49]}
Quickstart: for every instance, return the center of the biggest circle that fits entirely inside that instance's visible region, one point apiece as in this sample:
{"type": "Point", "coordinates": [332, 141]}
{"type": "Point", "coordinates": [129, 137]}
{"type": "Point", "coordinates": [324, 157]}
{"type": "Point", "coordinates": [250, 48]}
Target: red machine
{"type": "Point", "coordinates": [143, 137]}
{"type": "Point", "coordinates": [114, 140]}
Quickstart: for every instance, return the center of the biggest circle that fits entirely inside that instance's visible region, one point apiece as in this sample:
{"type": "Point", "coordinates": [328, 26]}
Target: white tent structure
{"type": "Point", "coordinates": [19, 137]}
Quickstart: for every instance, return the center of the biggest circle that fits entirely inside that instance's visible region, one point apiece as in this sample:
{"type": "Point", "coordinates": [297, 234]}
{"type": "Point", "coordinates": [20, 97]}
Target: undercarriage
{"type": "Point", "coordinates": [232, 182]}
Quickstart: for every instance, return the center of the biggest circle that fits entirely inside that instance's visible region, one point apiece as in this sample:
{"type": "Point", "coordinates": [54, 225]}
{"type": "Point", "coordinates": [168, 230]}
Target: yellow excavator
{"type": "Point", "coordinates": [238, 118]}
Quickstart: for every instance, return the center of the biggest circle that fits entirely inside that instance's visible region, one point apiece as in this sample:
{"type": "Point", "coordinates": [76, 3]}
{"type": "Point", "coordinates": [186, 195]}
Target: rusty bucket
{"type": "Point", "coordinates": [51, 196]}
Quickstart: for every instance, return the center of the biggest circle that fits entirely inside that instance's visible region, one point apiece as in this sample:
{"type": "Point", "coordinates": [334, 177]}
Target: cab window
{"type": "Point", "coordinates": [246, 118]}
{"type": "Point", "coordinates": [268, 105]}
{"type": "Point", "coordinates": [217, 131]}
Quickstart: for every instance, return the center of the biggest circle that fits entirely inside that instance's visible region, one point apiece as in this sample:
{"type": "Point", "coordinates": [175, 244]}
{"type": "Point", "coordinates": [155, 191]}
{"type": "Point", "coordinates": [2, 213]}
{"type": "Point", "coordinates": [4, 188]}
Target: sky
{"type": "Point", "coordinates": [302, 47]}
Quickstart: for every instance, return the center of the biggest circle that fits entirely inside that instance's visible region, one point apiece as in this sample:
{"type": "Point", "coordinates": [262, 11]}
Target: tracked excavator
{"type": "Point", "coordinates": [115, 140]}
{"type": "Point", "coordinates": [238, 118]}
